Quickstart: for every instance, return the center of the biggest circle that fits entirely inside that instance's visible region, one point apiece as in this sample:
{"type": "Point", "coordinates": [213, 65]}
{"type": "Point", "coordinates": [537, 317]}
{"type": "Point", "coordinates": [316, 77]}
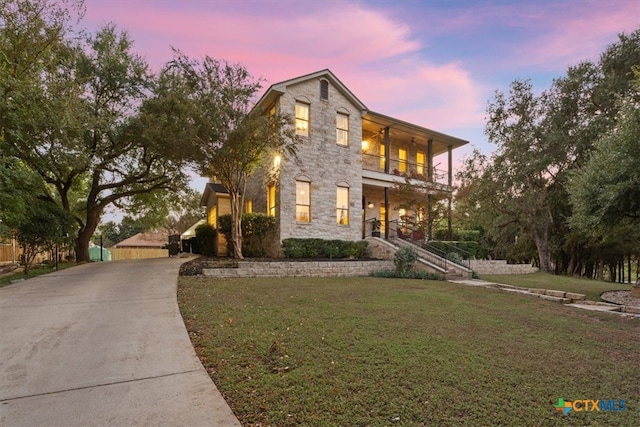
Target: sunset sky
{"type": "Point", "coordinates": [435, 63]}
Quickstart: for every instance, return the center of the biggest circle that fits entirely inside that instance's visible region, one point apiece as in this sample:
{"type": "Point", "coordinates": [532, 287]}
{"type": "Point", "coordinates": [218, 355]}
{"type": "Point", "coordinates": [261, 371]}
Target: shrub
{"type": "Point", "coordinates": [393, 274]}
{"type": "Point", "coordinates": [404, 259]}
{"type": "Point", "coordinates": [321, 248]}
{"type": "Point", "coordinates": [255, 228]}
{"type": "Point", "coordinates": [206, 238]}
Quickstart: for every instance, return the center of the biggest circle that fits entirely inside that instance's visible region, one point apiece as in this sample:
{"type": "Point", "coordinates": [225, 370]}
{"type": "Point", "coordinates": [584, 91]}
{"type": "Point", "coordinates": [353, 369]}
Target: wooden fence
{"type": "Point", "coordinates": [118, 254]}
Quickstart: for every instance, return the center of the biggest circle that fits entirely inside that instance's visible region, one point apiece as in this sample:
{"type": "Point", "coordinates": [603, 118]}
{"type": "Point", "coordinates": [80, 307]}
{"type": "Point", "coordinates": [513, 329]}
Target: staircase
{"type": "Point", "coordinates": [427, 261]}
{"type": "Point", "coordinates": [450, 270]}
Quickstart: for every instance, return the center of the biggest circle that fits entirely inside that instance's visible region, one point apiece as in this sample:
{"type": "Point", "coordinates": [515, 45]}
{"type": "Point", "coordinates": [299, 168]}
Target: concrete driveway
{"type": "Point", "coordinates": [102, 344]}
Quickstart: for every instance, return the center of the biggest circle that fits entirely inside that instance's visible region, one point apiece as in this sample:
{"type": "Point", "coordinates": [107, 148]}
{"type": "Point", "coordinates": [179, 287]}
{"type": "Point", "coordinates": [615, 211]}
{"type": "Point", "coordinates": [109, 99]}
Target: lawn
{"type": "Point", "coordinates": [378, 352]}
{"type": "Point", "coordinates": [7, 279]}
{"type": "Point", "coordinates": [591, 288]}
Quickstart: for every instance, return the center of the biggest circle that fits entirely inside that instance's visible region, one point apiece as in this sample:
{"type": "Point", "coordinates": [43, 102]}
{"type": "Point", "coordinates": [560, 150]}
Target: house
{"type": "Point", "coordinates": [349, 163]}
{"type": "Point", "coordinates": [142, 245]}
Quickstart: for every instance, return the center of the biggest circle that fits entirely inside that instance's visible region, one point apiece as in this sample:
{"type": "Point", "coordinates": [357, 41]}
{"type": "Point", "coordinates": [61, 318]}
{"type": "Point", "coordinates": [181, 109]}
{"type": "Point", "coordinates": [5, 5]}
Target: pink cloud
{"type": "Point", "coordinates": [375, 56]}
{"type": "Point", "coordinates": [570, 32]}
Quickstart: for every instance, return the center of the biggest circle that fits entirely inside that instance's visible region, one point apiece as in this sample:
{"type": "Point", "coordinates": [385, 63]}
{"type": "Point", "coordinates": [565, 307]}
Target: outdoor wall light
{"type": "Point", "coordinates": [370, 205]}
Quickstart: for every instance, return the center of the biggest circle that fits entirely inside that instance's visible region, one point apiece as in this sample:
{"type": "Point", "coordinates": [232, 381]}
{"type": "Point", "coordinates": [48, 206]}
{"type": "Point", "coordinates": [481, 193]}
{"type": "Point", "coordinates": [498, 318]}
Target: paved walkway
{"type": "Point", "coordinates": [585, 305]}
{"type": "Point", "coordinates": [102, 344]}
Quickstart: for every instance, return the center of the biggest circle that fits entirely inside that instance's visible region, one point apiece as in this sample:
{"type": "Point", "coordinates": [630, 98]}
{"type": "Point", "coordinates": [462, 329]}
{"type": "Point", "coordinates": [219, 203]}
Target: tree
{"type": "Point", "coordinates": [522, 190]}
{"type": "Point", "coordinates": [76, 115]}
{"type": "Point", "coordinates": [227, 137]}
{"type": "Point", "coordinates": [605, 192]}
{"type": "Point", "coordinates": [47, 225]}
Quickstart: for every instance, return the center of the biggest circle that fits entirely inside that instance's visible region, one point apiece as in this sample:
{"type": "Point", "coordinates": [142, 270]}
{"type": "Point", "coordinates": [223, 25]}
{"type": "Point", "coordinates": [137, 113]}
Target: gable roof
{"type": "Point", "coordinates": [211, 188]}
{"type": "Point", "coordinates": [278, 89]}
{"type": "Point", "coordinates": [145, 240]}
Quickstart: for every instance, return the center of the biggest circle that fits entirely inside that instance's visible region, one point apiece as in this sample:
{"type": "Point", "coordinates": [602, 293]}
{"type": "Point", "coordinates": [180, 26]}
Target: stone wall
{"type": "Point", "coordinates": [500, 267]}
{"type": "Point", "coordinates": [324, 164]}
{"type": "Point", "coordinates": [300, 269]}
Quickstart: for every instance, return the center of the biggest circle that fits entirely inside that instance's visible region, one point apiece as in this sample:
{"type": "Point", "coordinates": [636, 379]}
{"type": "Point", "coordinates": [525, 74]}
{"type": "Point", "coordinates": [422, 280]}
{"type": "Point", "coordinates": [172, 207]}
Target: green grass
{"type": "Point", "coordinates": [34, 272]}
{"type": "Point", "coordinates": [591, 288]}
{"type": "Point", "coordinates": [379, 352]}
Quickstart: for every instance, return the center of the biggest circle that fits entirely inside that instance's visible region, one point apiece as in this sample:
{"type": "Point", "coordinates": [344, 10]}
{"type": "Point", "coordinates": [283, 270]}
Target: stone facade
{"type": "Point", "coordinates": [300, 269]}
{"type": "Point", "coordinates": [324, 164]}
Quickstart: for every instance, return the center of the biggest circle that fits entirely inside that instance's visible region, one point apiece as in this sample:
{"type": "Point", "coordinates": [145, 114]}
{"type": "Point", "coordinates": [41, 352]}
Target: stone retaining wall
{"type": "Point", "coordinates": [500, 267]}
{"type": "Point", "coordinates": [300, 269]}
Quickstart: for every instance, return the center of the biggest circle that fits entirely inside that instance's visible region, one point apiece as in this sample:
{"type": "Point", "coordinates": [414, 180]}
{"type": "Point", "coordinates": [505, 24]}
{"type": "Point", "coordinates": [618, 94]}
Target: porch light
{"type": "Point", "coordinates": [276, 160]}
{"type": "Point", "coordinates": [365, 145]}
{"type": "Point", "coordinates": [370, 205]}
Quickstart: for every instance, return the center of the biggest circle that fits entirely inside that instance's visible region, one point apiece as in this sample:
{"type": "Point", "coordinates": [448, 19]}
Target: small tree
{"type": "Point", "coordinates": [47, 226]}
{"type": "Point", "coordinates": [404, 259]}
{"type": "Point", "coordinates": [227, 137]}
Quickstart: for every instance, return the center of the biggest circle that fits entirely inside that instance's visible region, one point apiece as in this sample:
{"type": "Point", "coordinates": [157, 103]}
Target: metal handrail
{"type": "Point", "coordinates": [429, 246]}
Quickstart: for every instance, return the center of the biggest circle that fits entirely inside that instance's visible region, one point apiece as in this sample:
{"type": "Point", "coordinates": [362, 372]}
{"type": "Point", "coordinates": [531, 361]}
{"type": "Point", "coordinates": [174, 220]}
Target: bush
{"type": "Point", "coordinates": [321, 248]}
{"type": "Point", "coordinates": [404, 259]}
{"type": "Point", "coordinates": [206, 238]}
{"type": "Point", "coordinates": [255, 227]}
{"type": "Point", "coordinates": [393, 274]}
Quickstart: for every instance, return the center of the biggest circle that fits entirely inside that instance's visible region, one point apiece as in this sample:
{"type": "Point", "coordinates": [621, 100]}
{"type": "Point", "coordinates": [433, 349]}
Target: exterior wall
{"type": "Point", "coordinates": [300, 269]}
{"type": "Point", "coordinates": [325, 164]}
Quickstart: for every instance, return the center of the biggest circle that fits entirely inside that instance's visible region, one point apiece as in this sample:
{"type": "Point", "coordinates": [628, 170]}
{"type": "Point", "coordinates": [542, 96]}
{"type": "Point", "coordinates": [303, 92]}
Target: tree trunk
{"type": "Point", "coordinates": [236, 224]}
{"type": "Point", "coordinates": [84, 238]}
{"type": "Point", "coordinates": [541, 239]}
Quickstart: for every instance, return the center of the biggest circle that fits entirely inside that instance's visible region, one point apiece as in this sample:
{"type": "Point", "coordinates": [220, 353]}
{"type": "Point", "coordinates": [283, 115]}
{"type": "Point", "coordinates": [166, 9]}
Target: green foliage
{"type": "Point", "coordinates": [321, 248]}
{"type": "Point", "coordinates": [206, 238]}
{"type": "Point", "coordinates": [113, 233]}
{"type": "Point", "coordinates": [226, 136]}
{"type": "Point", "coordinates": [411, 274]}
{"type": "Point", "coordinates": [404, 259]}
{"type": "Point", "coordinates": [256, 227]}
{"type": "Point", "coordinates": [519, 197]}
{"type": "Point", "coordinates": [46, 226]}
{"type": "Point", "coordinates": [605, 192]}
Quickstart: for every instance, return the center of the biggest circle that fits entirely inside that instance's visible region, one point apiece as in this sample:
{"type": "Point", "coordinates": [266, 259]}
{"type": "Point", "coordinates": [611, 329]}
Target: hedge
{"type": "Point", "coordinates": [321, 248]}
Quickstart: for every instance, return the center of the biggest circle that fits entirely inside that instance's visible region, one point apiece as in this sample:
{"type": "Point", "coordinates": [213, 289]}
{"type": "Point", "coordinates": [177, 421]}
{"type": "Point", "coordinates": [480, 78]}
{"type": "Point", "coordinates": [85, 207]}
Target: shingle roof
{"type": "Point", "coordinates": [145, 240]}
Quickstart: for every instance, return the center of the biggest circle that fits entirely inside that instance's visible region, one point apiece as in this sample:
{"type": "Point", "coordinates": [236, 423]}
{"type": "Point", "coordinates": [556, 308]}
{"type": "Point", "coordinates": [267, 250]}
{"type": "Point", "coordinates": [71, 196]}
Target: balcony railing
{"type": "Point", "coordinates": [374, 162]}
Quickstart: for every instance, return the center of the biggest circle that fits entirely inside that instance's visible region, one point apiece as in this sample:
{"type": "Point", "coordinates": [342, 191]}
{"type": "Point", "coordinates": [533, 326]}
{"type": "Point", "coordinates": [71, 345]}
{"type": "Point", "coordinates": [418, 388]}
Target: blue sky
{"type": "Point", "coordinates": [432, 63]}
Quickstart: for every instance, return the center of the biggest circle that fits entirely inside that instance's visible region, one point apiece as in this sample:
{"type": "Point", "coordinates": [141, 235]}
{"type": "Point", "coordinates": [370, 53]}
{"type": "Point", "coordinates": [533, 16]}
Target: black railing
{"type": "Point", "coordinates": [374, 162]}
{"type": "Point", "coordinates": [445, 251]}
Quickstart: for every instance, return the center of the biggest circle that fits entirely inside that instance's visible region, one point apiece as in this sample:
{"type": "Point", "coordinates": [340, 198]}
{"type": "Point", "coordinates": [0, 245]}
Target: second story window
{"type": "Point", "coordinates": [303, 201]}
{"type": "Point", "coordinates": [302, 119]}
{"type": "Point", "coordinates": [342, 129]}
{"type": "Point", "coordinates": [420, 161]}
{"type": "Point", "coordinates": [383, 159]}
{"type": "Point", "coordinates": [402, 160]}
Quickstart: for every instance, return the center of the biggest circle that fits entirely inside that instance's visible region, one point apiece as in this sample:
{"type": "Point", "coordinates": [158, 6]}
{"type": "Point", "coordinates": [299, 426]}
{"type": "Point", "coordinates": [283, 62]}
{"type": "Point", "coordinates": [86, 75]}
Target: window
{"type": "Point", "coordinates": [402, 160]}
{"type": "Point", "coordinates": [249, 207]}
{"type": "Point", "coordinates": [342, 129]}
{"type": "Point", "coordinates": [383, 159]}
{"type": "Point", "coordinates": [383, 222]}
{"type": "Point", "coordinates": [271, 200]}
{"type": "Point", "coordinates": [212, 219]}
{"type": "Point", "coordinates": [302, 119]}
{"type": "Point", "coordinates": [342, 206]}
{"type": "Point", "coordinates": [324, 89]}
{"type": "Point", "coordinates": [303, 202]}
{"type": "Point", "coordinates": [420, 158]}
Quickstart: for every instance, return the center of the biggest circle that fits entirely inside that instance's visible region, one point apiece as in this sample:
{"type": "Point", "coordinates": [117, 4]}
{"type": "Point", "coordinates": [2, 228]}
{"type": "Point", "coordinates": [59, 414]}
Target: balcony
{"type": "Point", "coordinates": [373, 169]}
